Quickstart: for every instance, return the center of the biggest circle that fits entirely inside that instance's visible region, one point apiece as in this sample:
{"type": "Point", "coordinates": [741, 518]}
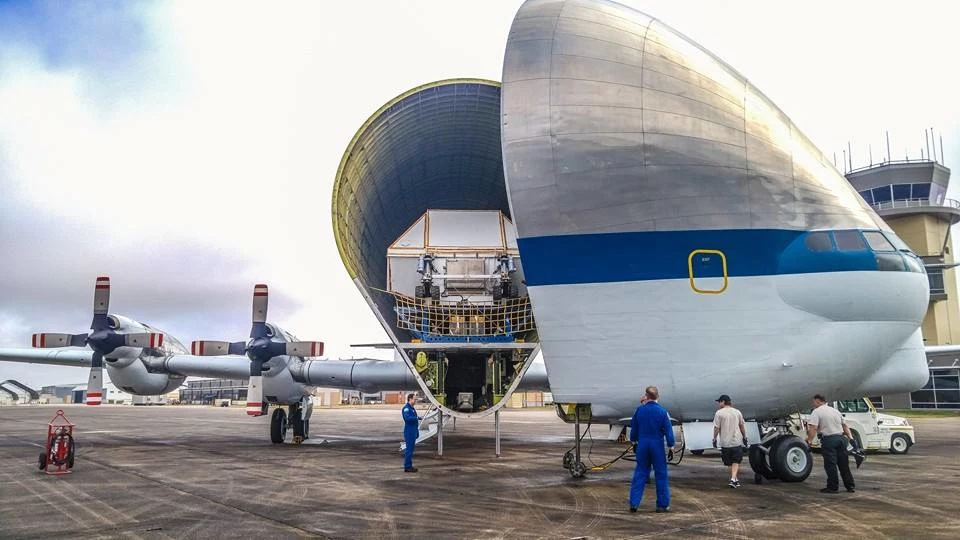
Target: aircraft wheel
{"type": "Point", "coordinates": [278, 426]}
{"type": "Point", "coordinates": [697, 452]}
{"type": "Point", "coordinates": [758, 462]}
{"type": "Point", "coordinates": [899, 444]}
{"type": "Point", "coordinates": [578, 470]}
{"type": "Point", "coordinates": [791, 459]}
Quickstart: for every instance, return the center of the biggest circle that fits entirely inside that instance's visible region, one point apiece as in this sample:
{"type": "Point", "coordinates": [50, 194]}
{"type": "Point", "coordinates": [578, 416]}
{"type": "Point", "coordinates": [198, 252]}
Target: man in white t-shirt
{"type": "Point", "coordinates": [828, 422]}
{"type": "Point", "coordinates": [731, 434]}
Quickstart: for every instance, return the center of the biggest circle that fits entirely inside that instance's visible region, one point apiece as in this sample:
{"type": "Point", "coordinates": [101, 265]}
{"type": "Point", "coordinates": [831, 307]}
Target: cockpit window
{"type": "Point", "coordinates": [914, 264]}
{"type": "Point", "coordinates": [899, 244]}
{"type": "Point", "coordinates": [849, 241]}
{"type": "Point", "coordinates": [877, 241]}
{"type": "Point", "coordinates": [890, 262]}
{"type": "Point", "coordinates": [819, 241]}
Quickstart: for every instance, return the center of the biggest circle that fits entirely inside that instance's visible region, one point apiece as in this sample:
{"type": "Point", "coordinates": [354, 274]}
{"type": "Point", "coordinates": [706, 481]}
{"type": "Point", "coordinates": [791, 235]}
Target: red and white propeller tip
{"type": "Point", "coordinates": [101, 296]}
{"type": "Point", "coordinates": [210, 348]}
{"type": "Point", "coordinates": [260, 297]}
{"type": "Point", "coordinates": [150, 340]}
{"type": "Point", "coordinates": [255, 396]}
{"type": "Point", "coordinates": [305, 348]}
{"type": "Point", "coordinates": [49, 340]}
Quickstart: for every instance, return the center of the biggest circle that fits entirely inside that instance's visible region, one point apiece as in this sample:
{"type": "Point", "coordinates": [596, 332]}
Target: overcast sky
{"type": "Point", "coordinates": [188, 149]}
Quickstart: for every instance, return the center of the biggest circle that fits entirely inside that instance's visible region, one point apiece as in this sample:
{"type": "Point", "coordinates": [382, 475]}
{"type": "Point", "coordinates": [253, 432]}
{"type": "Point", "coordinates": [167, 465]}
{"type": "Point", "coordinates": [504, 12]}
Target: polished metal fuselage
{"type": "Point", "coordinates": [630, 143]}
{"type": "Point", "coordinates": [626, 150]}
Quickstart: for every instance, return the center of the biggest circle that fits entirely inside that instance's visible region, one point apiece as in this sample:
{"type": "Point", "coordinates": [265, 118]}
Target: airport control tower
{"type": "Point", "coordinates": [911, 196]}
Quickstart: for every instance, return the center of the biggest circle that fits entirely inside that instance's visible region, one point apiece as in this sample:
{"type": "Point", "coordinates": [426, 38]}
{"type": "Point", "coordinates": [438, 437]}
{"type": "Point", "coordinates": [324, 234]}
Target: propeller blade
{"type": "Point", "coordinates": [95, 382]}
{"type": "Point", "coordinates": [304, 348]}
{"type": "Point", "coordinates": [255, 389]}
{"type": "Point", "coordinates": [217, 348]}
{"type": "Point", "coordinates": [101, 303]}
{"type": "Point", "coordinates": [50, 340]}
{"type": "Point", "coordinates": [150, 340]}
{"type": "Point", "coordinates": [260, 297]}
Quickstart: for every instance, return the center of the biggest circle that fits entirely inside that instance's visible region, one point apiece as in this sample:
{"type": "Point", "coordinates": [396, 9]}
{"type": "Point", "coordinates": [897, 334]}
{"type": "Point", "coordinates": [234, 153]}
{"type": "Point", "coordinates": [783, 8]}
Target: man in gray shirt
{"type": "Point", "coordinates": [729, 428]}
{"type": "Point", "coordinates": [828, 422]}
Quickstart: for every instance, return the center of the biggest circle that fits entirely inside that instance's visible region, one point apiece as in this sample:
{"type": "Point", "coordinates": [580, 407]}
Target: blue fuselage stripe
{"type": "Point", "coordinates": [657, 255]}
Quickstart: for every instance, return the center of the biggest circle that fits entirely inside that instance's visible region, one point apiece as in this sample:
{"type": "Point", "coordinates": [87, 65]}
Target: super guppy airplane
{"type": "Point", "coordinates": [634, 207]}
{"type": "Point", "coordinates": [673, 227]}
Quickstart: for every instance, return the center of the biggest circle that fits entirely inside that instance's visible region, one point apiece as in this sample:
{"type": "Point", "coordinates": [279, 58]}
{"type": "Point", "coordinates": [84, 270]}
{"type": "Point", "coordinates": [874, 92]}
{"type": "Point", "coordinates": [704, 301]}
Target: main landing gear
{"type": "Point", "coordinates": [780, 455]}
{"type": "Point", "coordinates": [298, 419]}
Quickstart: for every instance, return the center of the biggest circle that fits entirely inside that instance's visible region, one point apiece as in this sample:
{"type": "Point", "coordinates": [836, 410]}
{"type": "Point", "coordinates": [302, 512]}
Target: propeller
{"type": "Point", "coordinates": [260, 349]}
{"type": "Point", "coordinates": [103, 339]}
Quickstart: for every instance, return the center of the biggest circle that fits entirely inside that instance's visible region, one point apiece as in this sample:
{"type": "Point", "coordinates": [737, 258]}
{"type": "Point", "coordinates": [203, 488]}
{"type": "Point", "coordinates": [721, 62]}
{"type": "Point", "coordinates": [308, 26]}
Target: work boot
{"type": "Point", "coordinates": [633, 509]}
{"type": "Point", "coordinates": [662, 510]}
{"type": "Point", "coordinates": [411, 469]}
{"type": "Point", "coordinates": [851, 490]}
{"type": "Point", "coordinates": [829, 490]}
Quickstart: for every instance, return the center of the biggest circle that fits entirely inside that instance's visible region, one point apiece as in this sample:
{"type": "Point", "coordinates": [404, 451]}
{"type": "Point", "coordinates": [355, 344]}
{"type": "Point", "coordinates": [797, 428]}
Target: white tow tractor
{"type": "Point", "coordinates": [873, 430]}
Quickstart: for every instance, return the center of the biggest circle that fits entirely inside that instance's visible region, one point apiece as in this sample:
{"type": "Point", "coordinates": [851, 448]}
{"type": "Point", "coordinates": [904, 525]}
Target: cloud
{"type": "Point", "coordinates": [111, 43]}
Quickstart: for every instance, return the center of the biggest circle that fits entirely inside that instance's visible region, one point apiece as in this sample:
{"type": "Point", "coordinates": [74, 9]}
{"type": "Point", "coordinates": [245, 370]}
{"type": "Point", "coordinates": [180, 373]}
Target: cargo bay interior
{"type": "Point", "coordinates": [422, 222]}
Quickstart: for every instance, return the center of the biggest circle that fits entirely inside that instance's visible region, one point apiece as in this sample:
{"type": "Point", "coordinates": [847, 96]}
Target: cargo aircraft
{"type": "Point", "coordinates": [624, 201]}
{"type": "Point", "coordinates": [672, 227]}
{"type": "Point", "coordinates": [144, 360]}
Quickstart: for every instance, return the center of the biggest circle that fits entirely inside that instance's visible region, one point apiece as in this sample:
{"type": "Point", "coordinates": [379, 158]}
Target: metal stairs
{"type": "Point", "coordinates": [429, 426]}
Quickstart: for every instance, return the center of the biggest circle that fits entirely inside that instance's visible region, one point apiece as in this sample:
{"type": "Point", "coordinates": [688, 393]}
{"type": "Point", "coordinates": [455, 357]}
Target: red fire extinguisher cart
{"type": "Point", "coordinates": [57, 457]}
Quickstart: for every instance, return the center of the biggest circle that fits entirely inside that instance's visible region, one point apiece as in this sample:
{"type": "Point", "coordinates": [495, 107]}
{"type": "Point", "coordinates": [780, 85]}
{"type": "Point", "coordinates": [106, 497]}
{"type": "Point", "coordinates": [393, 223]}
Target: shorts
{"type": "Point", "coordinates": [731, 455]}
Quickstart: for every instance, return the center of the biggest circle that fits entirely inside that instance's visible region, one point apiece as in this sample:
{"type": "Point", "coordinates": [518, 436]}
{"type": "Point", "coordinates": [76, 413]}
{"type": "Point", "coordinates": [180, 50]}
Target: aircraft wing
{"type": "Point", "coordinates": [50, 357]}
{"type": "Point", "coordinates": [218, 367]}
{"type": "Point", "coordinates": [943, 352]}
{"type": "Point", "coordinates": [226, 367]}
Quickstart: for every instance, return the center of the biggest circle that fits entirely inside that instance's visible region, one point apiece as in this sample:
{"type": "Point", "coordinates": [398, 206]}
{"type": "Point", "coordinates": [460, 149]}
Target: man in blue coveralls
{"type": "Point", "coordinates": [650, 425]}
{"type": "Point", "coordinates": [411, 430]}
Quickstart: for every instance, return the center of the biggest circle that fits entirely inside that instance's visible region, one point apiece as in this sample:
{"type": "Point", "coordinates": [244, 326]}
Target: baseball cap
{"type": "Point", "coordinates": [723, 398]}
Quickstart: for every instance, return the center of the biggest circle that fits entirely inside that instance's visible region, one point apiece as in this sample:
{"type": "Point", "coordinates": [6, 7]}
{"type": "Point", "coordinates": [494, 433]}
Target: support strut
{"type": "Point", "coordinates": [440, 433]}
{"type": "Point", "coordinates": [496, 430]}
{"type": "Point", "coordinates": [577, 468]}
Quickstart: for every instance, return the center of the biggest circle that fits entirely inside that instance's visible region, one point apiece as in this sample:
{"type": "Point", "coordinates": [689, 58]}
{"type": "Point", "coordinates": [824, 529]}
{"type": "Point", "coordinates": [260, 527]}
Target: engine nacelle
{"type": "Point", "coordinates": [127, 366]}
{"type": "Point", "coordinates": [134, 378]}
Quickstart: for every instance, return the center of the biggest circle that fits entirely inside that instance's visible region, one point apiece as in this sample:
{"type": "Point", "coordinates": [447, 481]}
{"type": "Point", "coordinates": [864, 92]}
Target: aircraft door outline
{"type": "Point", "coordinates": [704, 266]}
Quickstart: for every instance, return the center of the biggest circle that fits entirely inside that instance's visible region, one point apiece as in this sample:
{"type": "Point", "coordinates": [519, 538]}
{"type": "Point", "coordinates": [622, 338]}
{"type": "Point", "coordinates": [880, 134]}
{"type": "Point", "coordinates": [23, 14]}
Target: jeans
{"type": "Point", "coordinates": [834, 449]}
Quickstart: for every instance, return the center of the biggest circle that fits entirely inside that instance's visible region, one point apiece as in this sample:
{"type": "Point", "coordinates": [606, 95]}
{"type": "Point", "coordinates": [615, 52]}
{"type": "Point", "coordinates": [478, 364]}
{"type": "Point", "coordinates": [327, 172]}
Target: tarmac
{"type": "Point", "coordinates": [205, 472]}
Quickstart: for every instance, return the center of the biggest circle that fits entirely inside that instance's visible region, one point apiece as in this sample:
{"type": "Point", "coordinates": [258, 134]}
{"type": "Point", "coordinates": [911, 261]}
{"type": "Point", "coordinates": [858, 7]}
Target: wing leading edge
{"type": "Point", "coordinates": [50, 357]}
